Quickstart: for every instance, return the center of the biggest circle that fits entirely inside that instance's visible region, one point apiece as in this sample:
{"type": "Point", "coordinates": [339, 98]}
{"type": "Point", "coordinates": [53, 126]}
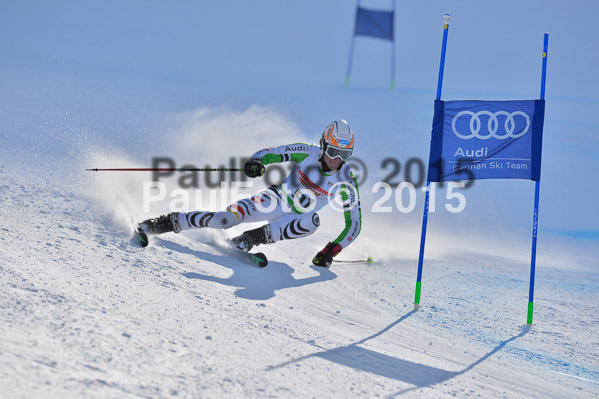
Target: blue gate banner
{"type": "Point", "coordinates": [473, 139]}
{"type": "Point", "coordinates": [374, 23]}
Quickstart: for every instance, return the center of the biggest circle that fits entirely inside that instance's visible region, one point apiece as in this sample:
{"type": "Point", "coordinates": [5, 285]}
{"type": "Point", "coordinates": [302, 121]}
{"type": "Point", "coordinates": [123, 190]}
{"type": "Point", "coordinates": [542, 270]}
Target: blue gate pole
{"type": "Point", "coordinates": [535, 219]}
{"type": "Point", "coordinates": [351, 47]}
{"type": "Point", "coordinates": [428, 183]}
{"type": "Point", "coordinates": [393, 46]}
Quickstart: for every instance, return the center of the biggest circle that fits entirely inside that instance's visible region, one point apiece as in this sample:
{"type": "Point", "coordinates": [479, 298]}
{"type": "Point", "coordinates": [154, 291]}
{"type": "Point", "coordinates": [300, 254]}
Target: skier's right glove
{"type": "Point", "coordinates": [325, 257]}
{"type": "Point", "coordinates": [254, 168]}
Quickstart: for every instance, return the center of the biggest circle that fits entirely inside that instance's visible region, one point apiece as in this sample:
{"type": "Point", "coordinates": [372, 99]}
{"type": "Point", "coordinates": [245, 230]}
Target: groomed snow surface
{"type": "Point", "coordinates": [84, 313]}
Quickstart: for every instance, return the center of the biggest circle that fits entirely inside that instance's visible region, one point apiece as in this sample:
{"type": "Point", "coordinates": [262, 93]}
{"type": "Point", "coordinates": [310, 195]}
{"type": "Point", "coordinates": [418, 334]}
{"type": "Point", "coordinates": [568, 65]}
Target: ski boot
{"type": "Point", "coordinates": [163, 224]}
{"type": "Point", "coordinates": [251, 238]}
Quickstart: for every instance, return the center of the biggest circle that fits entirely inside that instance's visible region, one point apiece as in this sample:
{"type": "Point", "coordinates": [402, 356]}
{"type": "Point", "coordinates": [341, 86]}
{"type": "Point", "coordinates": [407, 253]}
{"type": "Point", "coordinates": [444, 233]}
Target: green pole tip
{"type": "Point", "coordinates": [347, 80]}
{"type": "Point", "coordinates": [529, 318]}
{"type": "Point", "coordinates": [369, 260]}
{"type": "Point", "coordinates": [417, 296]}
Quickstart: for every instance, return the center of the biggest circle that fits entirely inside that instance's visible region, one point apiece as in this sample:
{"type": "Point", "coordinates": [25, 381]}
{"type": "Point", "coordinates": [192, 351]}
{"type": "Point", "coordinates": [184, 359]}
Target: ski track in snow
{"type": "Point", "coordinates": [84, 313]}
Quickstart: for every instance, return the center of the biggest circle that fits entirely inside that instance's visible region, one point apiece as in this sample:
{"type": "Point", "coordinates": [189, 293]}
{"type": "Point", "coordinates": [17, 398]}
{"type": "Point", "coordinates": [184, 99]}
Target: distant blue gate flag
{"type": "Point", "coordinates": [377, 24]}
{"type": "Point", "coordinates": [474, 140]}
{"type": "Point", "coordinates": [374, 23]}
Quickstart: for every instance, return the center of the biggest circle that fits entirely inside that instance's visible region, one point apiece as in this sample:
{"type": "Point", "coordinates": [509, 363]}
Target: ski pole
{"type": "Point", "coordinates": [167, 170]}
{"type": "Point", "coordinates": [368, 260]}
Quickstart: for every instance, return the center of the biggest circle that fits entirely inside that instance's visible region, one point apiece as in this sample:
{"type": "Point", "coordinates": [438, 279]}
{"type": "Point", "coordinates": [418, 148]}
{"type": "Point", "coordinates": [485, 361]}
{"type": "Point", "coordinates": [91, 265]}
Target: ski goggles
{"type": "Point", "coordinates": [335, 152]}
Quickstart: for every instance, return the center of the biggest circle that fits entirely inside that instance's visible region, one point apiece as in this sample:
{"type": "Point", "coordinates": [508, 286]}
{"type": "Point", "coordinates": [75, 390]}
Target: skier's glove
{"type": "Point", "coordinates": [254, 168]}
{"type": "Point", "coordinates": [325, 257]}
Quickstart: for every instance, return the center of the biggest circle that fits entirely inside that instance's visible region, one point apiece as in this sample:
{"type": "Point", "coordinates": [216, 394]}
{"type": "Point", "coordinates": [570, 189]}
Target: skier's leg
{"type": "Point", "coordinates": [294, 226]}
{"type": "Point", "coordinates": [286, 227]}
{"type": "Point", "coordinates": [263, 206]}
{"type": "Point", "coordinates": [266, 205]}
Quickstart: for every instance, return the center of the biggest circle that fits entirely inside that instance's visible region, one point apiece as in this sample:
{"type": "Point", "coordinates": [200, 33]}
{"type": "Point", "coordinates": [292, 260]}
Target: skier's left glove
{"type": "Point", "coordinates": [325, 257]}
{"type": "Point", "coordinates": [254, 168]}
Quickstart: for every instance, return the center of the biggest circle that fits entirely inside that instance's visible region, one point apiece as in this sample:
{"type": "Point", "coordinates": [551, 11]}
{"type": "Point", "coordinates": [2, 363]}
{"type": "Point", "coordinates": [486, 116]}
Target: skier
{"type": "Point", "coordinates": [319, 173]}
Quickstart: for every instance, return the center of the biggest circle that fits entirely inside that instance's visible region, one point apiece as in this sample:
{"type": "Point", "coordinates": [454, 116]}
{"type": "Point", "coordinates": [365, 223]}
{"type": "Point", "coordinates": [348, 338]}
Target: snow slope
{"type": "Point", "coordinates": [85, 313]}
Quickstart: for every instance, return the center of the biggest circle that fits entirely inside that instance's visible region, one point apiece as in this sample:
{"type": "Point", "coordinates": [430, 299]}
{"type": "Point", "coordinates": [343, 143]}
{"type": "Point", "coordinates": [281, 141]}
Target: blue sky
{"type": "Point", "coordinates": [117, 71]}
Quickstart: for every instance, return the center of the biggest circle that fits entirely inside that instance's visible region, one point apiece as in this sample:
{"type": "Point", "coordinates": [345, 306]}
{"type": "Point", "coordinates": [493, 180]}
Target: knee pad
{"type": "Point", "coordinates": [296, 227]}
{"type": "Point", "coordinates": [215, 220]}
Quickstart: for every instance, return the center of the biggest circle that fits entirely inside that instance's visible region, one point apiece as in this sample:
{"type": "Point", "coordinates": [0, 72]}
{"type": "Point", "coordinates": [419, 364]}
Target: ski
{"type": "Point", "coordinates": [139, 236]}
{"type": "Point", "coordinates": [258, 258]}
{"type": "Point", "coordinates": [142, 238]}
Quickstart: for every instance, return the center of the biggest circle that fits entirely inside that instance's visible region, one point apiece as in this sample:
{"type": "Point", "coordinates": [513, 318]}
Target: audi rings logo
{"type": "Point", "coordinates": [493, 124]}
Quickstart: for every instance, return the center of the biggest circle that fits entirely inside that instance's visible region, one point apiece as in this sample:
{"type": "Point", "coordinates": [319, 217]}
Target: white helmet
{"type": "Point", "coordinates": [337, 140]}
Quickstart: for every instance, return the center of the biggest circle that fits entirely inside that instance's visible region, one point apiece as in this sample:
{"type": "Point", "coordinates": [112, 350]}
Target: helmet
{"type": "Point", "coordinates": [337, 140]}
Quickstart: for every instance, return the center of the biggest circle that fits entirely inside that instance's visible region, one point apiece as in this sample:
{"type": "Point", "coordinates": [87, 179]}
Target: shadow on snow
{"type": "Point", "coordinates": [253, 283]}
{"type": "Point", "coordinates": [416, 374]}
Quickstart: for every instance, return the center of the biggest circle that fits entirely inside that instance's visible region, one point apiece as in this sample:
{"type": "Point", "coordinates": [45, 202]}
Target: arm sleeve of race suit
{"type": "Point", "coordinates": [351, 211]}
{"type": "Point", "coordinates": [292, 152]}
